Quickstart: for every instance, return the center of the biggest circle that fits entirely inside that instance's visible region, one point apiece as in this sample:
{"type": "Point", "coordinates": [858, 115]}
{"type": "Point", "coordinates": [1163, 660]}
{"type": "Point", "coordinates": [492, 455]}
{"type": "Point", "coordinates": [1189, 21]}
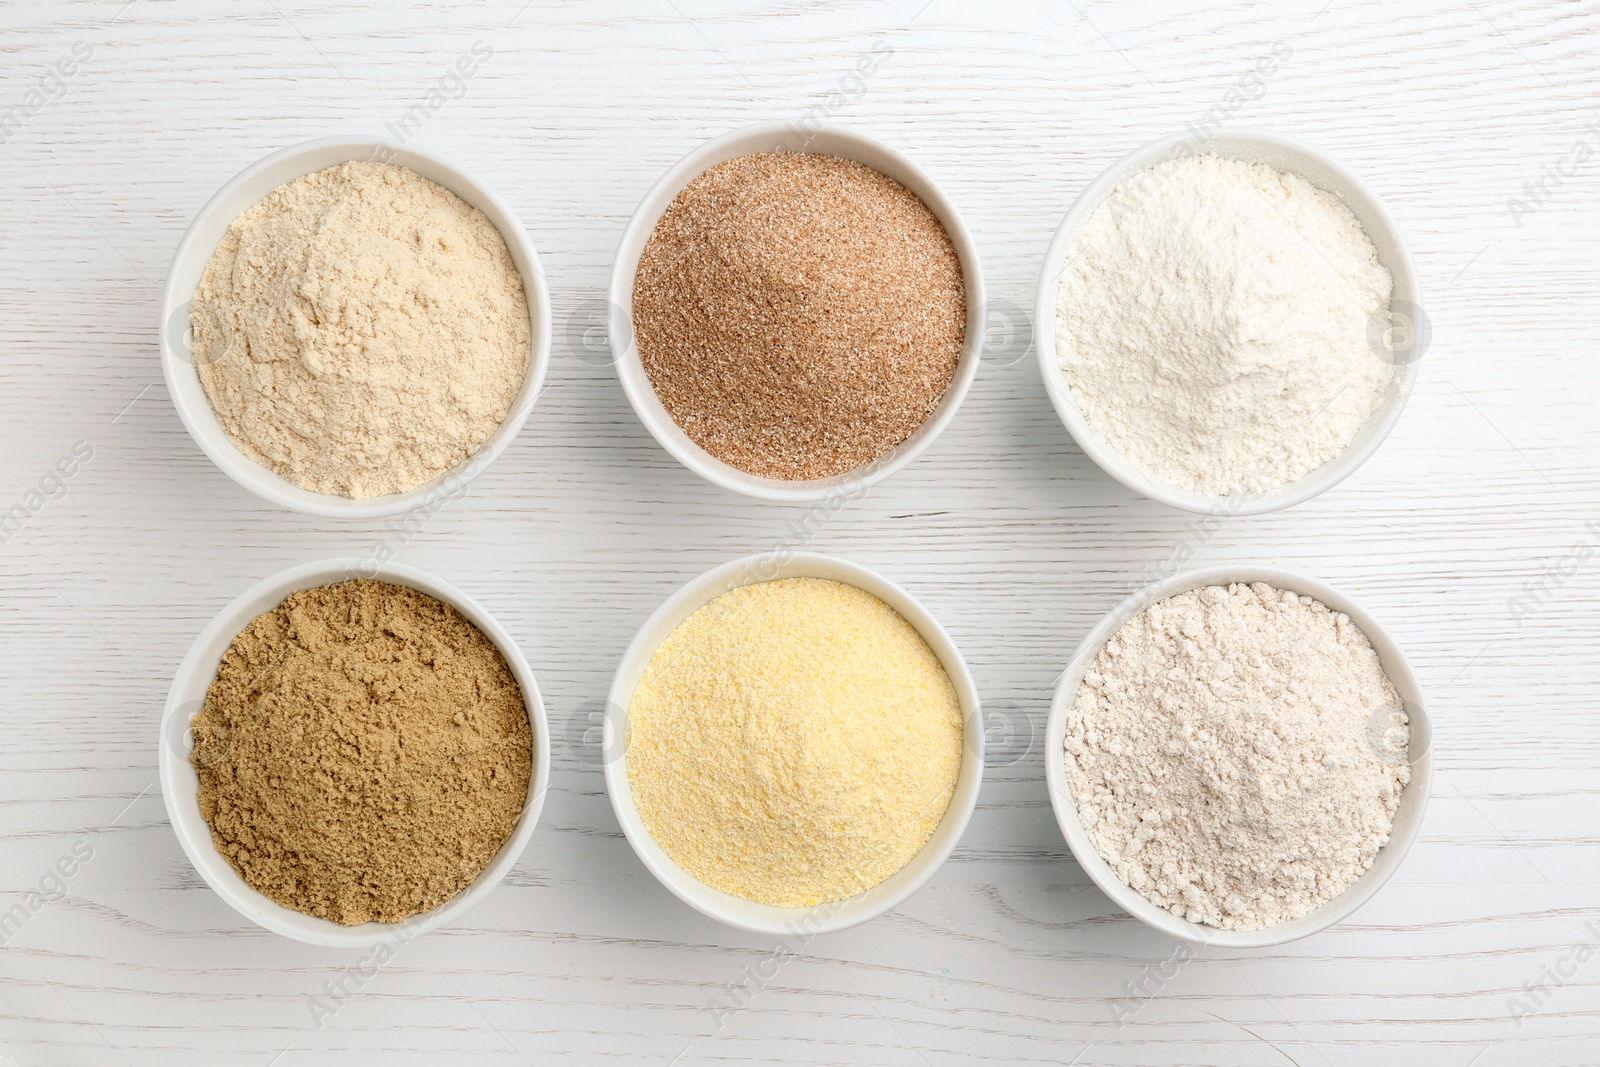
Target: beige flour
{"type": "Point", "coordinates": [361, 330]}
{"type": "Point", "coordinates": [1237, 755]}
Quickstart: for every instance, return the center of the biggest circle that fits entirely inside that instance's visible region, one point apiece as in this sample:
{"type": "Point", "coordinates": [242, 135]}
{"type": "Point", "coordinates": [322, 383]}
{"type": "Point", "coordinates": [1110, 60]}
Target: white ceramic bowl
{"type": "Point", "coordinates": [1407, 820]}
{"type": "Point", "coordinates": [200, 240]}
{"type": "Point", "coordinates": [747, 914]}
{"type": "Point", "coordinates": [1323, 171]}
{"type": "Point", "coordinates": [180, 784]}
{"type": "Point", "coordinates": [781, 137]}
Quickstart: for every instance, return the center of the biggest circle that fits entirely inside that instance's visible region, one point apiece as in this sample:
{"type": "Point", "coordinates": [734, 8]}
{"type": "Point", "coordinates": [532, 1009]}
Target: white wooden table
{"type": "Point", "coordinates": [1019, 544]}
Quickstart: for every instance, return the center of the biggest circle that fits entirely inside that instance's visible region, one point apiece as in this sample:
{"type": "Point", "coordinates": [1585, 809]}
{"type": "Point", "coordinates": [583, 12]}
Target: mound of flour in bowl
{"type": "Point", "coordinates": [1212, 324]}
{"type": "Point", "coordinates": [1237, 755]}
{"type": "Point", "coordinates": [361, 330]}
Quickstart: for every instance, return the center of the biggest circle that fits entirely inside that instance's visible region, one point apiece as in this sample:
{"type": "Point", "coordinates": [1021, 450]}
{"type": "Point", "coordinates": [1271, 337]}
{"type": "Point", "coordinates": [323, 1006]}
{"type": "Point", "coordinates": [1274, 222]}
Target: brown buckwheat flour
{"type": "Point", "coordinates": [799, 315]}
{"type": "Point", "coordinates": [361, 330]}
{"type": "Point", "coordinates": [1237, 754]}
{"type": "Point", "coordinates": [363, 752]}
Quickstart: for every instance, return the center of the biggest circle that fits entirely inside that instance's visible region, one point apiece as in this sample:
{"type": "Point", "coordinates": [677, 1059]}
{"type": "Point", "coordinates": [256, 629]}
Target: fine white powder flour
{"type": "Point", "coordinates": [1212, 324]}
{"type": "Point", "coordinates": [1237, 755]}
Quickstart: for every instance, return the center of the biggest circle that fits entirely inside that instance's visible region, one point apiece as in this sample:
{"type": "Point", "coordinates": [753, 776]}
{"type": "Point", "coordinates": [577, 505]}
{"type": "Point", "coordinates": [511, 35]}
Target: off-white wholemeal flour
{"type": "Point", "coordinates": [361, 330]}
{"type": "Point", "coordinates": [1237, 755]}
{"type": "Point", "coordinates": [1212, 324]}
{"type": "Point", "coordinates": [794, 742]}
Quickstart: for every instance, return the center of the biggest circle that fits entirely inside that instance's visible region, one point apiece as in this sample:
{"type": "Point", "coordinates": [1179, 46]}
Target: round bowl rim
{"type": "Point", "coordinates": [1365, 202]}
{"type": "Point", "coordinates": [196, 413]}
{"type": "Point", "coordinates": [629, 367]}
{"type": "Point", "coordinates": [1413, 799]}
{"type": "Point", "coordinates": [198, 668]}
{"type": "Point", "coordinates": [750, 915]}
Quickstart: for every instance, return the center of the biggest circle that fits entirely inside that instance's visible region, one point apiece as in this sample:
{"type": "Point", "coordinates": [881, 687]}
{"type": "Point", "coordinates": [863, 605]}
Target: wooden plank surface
{"type": "Point", "coordinates": [1010, 535]}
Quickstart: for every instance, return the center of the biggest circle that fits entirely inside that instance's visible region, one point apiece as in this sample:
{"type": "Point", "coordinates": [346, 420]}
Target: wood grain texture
{"type": "Point", "coordinates": [1008, 533]}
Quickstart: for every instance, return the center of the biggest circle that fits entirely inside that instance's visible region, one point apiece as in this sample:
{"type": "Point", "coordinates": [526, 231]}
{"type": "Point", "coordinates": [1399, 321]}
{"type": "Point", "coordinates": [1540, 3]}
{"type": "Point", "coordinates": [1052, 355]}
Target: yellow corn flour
{"type": "Point", "coordinates": [794, 742]}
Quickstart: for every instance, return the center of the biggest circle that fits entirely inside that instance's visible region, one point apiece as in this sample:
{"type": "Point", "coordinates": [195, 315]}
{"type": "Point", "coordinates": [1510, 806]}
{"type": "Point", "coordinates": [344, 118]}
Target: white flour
{"type": "Point", "coordinates": [1237, 755]}
{"type": "Point", "coordinates": [1213, 324]}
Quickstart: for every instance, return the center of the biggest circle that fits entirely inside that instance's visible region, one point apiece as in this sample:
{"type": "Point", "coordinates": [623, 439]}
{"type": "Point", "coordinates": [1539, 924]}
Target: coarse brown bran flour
{"type": "Point", "coordinates": [799, 315]}
{"type": "Point", "coordinates": [361, 330]}
{"type": "Point", "coordinates": [363, 753]}
{"type": "Point", "coordinates": [794, 742]}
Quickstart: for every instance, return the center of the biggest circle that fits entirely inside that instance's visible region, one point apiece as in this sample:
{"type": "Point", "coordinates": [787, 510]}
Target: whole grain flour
{"type": "Point", "coordinates": [363, 752]}
{"type": "Point", "coordinates": [799, 315]}
{"type": "Point", "coordinates": [361, 330]}
{"type": "Point", "coordinates": [1213, 325]}
{"type": "Point", "coordinates": [1237, 755]}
